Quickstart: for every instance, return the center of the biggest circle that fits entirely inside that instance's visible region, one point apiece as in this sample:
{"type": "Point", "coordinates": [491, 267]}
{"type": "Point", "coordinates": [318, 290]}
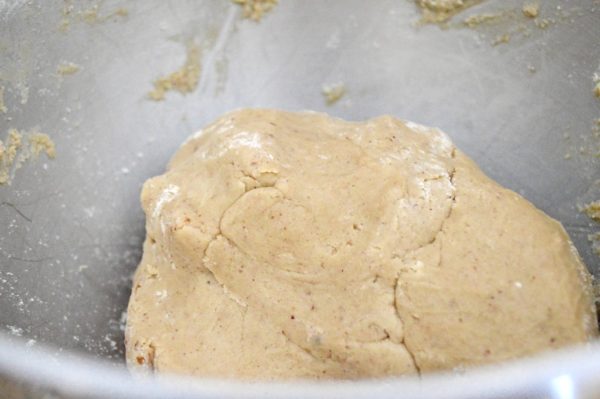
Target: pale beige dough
{"type": "Point", "coordinates": [284, 245]}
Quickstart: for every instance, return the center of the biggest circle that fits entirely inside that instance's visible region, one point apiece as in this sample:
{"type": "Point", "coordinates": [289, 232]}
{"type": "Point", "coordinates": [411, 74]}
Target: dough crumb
{"type": "Point", "coordinates": [440, 11]}
{"type": "Point", "coordinates": [3, 108]}
{"type": "Point", "coordinates": [14, 153]}
{"type": "Point", "coordinates": [67, 68]}
{"type": "Point", "coordinates": [593, 210]}
{"type": "Point", "coordinates": [8, 154]}
{"type": "Point", "coordinates": [256, 9]}
{"type": "Point", "coordinates": [501, 39]}
{"type": "Point", "coordinates": [41, 142]}
{"type": "Point", "coordinates": [333, 92]}
{"type": "Point", "coordinates": [531, 10]}
{"type": "Point", "coordinates": [184, 80]}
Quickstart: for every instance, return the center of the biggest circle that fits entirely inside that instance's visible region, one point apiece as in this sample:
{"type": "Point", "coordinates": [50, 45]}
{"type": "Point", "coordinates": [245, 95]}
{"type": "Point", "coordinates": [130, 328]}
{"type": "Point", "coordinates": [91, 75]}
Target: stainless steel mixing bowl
{"type": "Point", "coordinates": [71, 228]}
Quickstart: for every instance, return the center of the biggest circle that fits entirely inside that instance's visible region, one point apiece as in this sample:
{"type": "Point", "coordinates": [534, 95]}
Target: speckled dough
{"type": "Point", "coordinates": [283, 245]}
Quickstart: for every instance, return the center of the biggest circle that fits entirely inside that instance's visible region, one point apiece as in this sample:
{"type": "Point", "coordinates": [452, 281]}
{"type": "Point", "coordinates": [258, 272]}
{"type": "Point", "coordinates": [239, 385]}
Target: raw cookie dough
{"type": "Point", "coordinates": [284, 245]}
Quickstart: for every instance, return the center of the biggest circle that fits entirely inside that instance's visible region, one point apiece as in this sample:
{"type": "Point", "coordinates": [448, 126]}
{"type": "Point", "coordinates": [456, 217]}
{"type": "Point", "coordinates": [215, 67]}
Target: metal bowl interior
{"type": "Point", "coordinates": [72, 227]}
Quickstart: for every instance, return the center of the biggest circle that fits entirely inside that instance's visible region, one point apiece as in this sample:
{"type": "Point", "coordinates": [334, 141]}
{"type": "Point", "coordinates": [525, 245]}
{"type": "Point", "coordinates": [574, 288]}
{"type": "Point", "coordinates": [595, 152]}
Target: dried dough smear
{"type": "Point", "coordinates": [284, 245]}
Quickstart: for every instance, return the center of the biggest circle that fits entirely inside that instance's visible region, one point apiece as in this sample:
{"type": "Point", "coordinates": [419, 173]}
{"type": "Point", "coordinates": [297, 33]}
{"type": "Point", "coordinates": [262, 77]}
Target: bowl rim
{"type": "Point", "coordinates": [565, 373]}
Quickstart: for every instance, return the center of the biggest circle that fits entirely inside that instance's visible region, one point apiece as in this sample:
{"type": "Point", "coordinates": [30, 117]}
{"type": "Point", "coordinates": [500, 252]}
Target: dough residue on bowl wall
{"type": "Point", "coordinates": [67, 68]}
{"type": "Point", "coordinates": [592, 210]}
{"type": "Point", "coordinates": [501, 39]}
{"type": "Point", "coordinates": [499, 22]}
{"type": "Point", "coordinates": [256, 9]}
{"type": "Point", "coordinates": [3, 108]}
{"type": "Point", "coordinates": [14, 152]}
{"type": "Point", "coordinates": [594, 239]}
{"type": "Point", "coordinates": [89, 15]}
{"type": "Point", "coordinates": [440, 11]}
{"type": "Point", "coordinates": [184, 80]}
{"type": "Point", "coordinates": [475, 20]}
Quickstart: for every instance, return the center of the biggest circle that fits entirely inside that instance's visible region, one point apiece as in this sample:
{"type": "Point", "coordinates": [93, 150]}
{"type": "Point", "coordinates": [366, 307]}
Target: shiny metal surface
{"type": "Point", "coordinates": [72, 227]}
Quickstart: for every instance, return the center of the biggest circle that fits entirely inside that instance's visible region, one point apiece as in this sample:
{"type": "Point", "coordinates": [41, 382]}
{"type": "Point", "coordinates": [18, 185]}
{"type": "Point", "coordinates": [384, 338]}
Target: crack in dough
{"type": "Point", "coordinates": [433, 240]}
{"type": "Point", "coordinates": [304, 246]}
{"type": "Point", "coordinates": [232, 296]}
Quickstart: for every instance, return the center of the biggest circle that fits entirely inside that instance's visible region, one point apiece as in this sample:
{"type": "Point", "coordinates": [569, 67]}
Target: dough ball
{"type": "Point", "coordinates": [296, 245]}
